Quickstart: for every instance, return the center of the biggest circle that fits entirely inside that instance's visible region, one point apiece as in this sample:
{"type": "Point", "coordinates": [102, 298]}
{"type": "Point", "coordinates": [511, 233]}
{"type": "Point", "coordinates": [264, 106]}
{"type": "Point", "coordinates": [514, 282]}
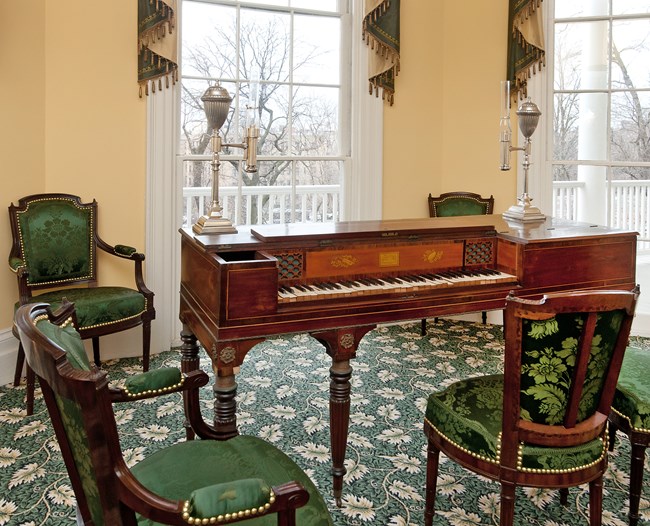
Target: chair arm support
{"type": "Point", "coordinates": [130, 253]}
{"type": "Point", "coordinates": [158, 382]}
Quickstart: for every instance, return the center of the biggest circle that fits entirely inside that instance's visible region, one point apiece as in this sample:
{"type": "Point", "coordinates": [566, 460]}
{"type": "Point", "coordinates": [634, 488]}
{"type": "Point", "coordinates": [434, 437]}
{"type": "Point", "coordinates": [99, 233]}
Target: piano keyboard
{"type": "Point", "coordinates": [409, 283]}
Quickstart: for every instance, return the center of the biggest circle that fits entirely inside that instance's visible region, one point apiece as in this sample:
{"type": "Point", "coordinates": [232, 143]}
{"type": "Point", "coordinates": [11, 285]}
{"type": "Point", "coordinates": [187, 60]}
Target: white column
{"type": "Point", "coordinates": [593, 122]}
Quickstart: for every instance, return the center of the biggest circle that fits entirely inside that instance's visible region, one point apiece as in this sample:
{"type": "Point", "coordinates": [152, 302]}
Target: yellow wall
{"type": "Point", "coordinates": [72, 120]}
{"type": "Point", "coordinates": [441, 134]}
{"type": "Point", "coordinates": [22, 129]}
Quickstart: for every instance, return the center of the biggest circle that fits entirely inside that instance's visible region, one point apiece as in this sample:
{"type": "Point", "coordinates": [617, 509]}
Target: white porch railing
{"type": "Point", "coordinates": [267, 204]}
{"type": "Point", "coordinates": [630, 205]}
{"type": "Point", "coordinates": [321, 203]}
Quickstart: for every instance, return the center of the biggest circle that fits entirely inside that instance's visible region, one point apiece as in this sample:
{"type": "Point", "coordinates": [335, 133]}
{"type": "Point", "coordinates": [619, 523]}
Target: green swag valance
{"type": "Point", "coordinates": [157, 45]}
{"type": "Point", "coordinates": [525, 43]}
{"type": "Point", "coordinates": [381, 33]}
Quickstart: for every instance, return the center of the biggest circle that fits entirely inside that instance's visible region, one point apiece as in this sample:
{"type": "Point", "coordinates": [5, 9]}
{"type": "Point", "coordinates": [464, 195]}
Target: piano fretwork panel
{"type": "Point", "coordinates": [305, 266]}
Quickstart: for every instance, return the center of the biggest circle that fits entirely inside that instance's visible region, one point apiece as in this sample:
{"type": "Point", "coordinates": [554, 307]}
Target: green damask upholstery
{"type": "Point", "coordinates": [469, 413]}
{"type": "Point", "coordinates": [177, 471]}
{"type": "Point", "coordinates": [631, 415]}
{"type": "Point", "coordinates": [72, 419]}
{"type": "Point", "coordinates": [99, 305]}
{"type": "Point", "coordinates": [548, 361]}
{"type": "Point", "coordinates": [632, 398]}
{"type": "Point", "coordinates": [56, 241]}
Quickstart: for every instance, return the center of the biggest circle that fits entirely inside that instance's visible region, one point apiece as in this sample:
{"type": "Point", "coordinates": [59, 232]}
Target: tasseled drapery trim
{"type": "Point", "coordinates": [153, 66]}
{"type": "Point", "coordinates": [385, 80]}
{"type": "Point", "coordinates": [524, 72]}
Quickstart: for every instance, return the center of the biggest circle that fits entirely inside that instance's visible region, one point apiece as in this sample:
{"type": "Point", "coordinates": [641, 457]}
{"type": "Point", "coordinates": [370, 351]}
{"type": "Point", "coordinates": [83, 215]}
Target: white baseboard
{"type": "Point", "coordinates": [8, 352]}
{"type": "Point", "coordinates": [120, 345]}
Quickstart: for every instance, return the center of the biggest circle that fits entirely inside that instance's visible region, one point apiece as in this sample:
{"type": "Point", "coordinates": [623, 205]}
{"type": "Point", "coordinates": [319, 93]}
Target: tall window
{"type": "Point", "coordinates": [288, 60]}
{"type": "Point", "coordinates": [600, 147]}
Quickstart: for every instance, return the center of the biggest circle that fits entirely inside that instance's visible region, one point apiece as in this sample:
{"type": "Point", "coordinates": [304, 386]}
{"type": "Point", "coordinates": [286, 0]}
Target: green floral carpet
{"type": "Point", "coordinates": [283, 397]}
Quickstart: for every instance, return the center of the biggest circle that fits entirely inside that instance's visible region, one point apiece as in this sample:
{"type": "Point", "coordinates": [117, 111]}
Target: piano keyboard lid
{"type": "Point", "coordinates": [390, 229]}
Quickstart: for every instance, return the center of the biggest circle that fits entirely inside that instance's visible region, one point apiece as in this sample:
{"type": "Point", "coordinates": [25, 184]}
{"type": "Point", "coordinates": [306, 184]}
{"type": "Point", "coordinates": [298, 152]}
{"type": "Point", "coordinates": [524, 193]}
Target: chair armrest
{"type": "Point", "coordinates": [121, 251]}
{"type": "Point", "coordinates": [287, 498]}
{"type": "Point", "coordinates": [15, 264]}
{"type": "Point", "coordinates": [229, 500]}
{"type": "Point", "coordinates": [158, 382]}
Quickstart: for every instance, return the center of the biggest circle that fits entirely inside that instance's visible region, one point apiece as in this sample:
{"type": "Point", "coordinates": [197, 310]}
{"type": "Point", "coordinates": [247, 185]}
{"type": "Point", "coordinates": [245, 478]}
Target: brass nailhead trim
{"type": "Point", "coordinates": [45, 317]}
{"type": "Point", "coordinates": [159, 391]}
{"type": "Point", "coordinates": [465, 450]}
{"type": "Point", "coordinates": [92, 246]}
{"type": "Point", "coordinates": [520, 467]}
{"type": "Point", "coordinates": [637, 429]}
{"type": "Point", "coordinates": [228, 516]}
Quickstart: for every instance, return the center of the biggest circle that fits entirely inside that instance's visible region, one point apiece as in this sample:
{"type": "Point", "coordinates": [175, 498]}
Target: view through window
{"type": "Point", "coordinates": [601, 113]}
{"type": "Point", "coordinates": [284, 59]}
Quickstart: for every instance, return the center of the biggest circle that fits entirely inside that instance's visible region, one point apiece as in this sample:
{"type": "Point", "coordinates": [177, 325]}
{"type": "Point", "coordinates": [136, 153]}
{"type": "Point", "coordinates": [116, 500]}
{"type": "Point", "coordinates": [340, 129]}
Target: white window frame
{"type": "Point", "coordinates": [540, 89]}
{"type": "Point", "coordinates": [362, 184]}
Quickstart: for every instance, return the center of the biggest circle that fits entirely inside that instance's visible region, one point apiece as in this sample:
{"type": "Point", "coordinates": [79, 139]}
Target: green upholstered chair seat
{"type": "Point", "coordinates": [180, 470]}
{"type": "Point", "coordinates": [98, 306]}
{"type": "Point", "coordinates": [632, 398]}
{"type": "Point", "coordinates": [469, 414]}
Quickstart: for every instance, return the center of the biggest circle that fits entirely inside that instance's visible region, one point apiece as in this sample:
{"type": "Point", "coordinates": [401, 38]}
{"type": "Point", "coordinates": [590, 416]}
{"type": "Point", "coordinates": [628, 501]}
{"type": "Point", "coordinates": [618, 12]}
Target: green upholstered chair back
{"type": "Point", "coordinates": [563, 357]}
{"type": "Point", "coordinates": [460, 204]}
{"type": "Point", "coordinates": [56, 238]}
{"type": "Point", "coordinates": [550, 354]}
{"type": "Point", "coordinates": [76, 395]}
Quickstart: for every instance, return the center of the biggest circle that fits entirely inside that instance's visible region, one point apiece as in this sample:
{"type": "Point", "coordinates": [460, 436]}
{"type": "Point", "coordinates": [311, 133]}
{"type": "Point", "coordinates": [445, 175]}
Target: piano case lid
{"type": "Point", "coordinates": [390, 229]}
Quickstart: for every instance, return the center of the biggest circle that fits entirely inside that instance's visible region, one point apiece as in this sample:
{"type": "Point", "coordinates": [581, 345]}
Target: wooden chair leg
{"type": "Point", "coordinates": [31, 386]}
{"type": "Point", "coordinates": [146, 345]}
{"type": "Point", "coordinates": [20, 361]}
{"type": "Point", "coordinates": [636, 480]}
{"type": "Point", "coordinates": [484, 317]}
{"type": "Point", "coordinates": [564, 496]}
{"type": "Point", "coordinates": [423, 330]}
{"type": "Point", "coordinates": [596, 502]}
{"type": "Point", "coordinates": [98, 362]}
{"type": "Point", "coordinates": [433, 457]}
{"type": "Point", "coordinates": [507, 503]}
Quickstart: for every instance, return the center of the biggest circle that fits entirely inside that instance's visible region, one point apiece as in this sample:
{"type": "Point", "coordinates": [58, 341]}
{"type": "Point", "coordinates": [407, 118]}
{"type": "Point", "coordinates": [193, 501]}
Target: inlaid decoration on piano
{"type": "Point", "coordinates": [337, 281]}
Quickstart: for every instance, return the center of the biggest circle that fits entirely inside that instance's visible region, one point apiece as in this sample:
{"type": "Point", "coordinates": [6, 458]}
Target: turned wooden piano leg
{"type": "Point", "coordinates": [189, 363]}
{"type": "Point", "coordinates": [341, 345]}
{"type": "Point", "coordinates": [340, 374]}
{"type": "Point", "coordinates": [225, 406]}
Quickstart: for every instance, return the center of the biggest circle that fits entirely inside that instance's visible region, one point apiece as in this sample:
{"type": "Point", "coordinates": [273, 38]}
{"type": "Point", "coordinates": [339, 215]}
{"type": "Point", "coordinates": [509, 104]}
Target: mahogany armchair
{"type": "Point", "coordinates": [631, 414]}
{"type": "Point", "coordinates": [543, 423]}
{"type": "Point", "coordinates": [206, 481]}
{"type": "Point", "coordinates": [459, 204]}
{"type": "Point", "coordinates": [55, 244]}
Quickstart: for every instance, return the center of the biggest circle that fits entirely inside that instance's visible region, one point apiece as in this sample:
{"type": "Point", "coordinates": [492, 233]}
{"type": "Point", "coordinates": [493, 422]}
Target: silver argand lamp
{"type": "Point", "coordinates": [216, 104]}
{"type": "Point", "coordinates": [528, 114]}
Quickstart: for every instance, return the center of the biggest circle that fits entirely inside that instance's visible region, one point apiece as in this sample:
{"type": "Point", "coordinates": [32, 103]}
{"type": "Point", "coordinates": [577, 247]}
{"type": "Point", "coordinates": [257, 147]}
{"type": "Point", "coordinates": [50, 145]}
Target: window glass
{"type": "Point", "coordinates": [281, 63]}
